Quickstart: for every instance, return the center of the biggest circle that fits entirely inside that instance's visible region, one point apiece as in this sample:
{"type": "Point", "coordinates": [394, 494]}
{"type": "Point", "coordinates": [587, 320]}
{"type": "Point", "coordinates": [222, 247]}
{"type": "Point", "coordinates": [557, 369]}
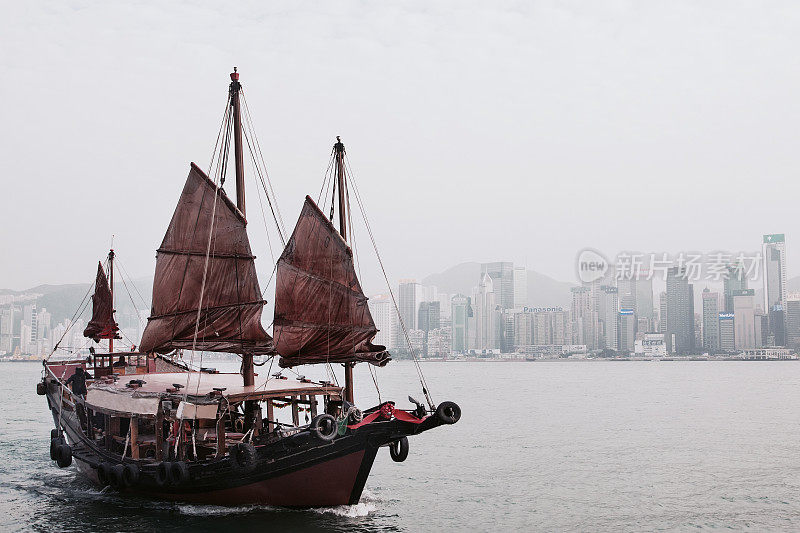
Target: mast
{"type": "Point", "coordinates": [340, 183]}
{"type": "Point", "coordinates": [111, 286]}
{"type": "Point", "coordinates": [247, 359]}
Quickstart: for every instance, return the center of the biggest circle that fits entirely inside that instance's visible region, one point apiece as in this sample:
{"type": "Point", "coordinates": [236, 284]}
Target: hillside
{"type": "Point", "coordinates": [543, 291]}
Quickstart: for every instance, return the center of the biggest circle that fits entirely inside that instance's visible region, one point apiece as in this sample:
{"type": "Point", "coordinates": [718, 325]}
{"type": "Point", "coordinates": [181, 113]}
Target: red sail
{"type": "Point", "coordinates": [321, 313]}
{"type": "Point", "coordinates": [230, 314]}
{"type": "Point", "coordinates": [102, 324]}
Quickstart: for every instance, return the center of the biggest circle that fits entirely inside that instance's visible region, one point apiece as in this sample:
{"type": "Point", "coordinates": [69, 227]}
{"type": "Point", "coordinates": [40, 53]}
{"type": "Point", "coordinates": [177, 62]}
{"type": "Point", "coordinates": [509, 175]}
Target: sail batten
{"type": "Point", "coordinates": [321, 312]}
{"type": "Point", "coordinates": [229, 317]}
{"type": "Point", "coordinates": [102, 325]}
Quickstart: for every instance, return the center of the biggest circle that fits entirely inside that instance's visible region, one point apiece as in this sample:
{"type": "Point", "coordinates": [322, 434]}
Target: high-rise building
{"type": "Point", "coordinates": [584, 317]}
{"type": "Point", "coordinates": [792, 321]}
{"type": "Point", "coordinates": [502, 275]}
{"type": "Point", "coordinates": [445, 311]}
{"type": "Point", "coordinates": [626, 331]}
{"type": "Point", "coordinates": [504, 338]}
{"type": "Point", "coordinates": [744, 309]}
{"type": "Point", "coordinates": [7, 319]}
{"type": "Point", "coordinates": [410, 296]}
{"type": "Point", "coordinates": [710, 321]}
{"type": "Point", "coordinates": [644, 299]}
{"type": "Point", "coordinates": [523, 328]}
{"type": "Point", "coordinates": [429, 316]}
{"type": "Point", "coordinates": [31, 332]}
{"type": "Point", "coordinates": [727, 332]}
{"type": "Point", "coordinates": [662, 313]}
{"type": "Point", "coordinates": [485, 314]}
{"type": "Point", "coordinates": [382, 310]}
{"type": "Point", "coordinates": [735, 280]}
{"type": "Point", "coordinates": [775, 289]}
{"type": "Point", "coordinates": [680, 312]}
{"type": "Point", "coordinates": [561, 328]}
{"type": "Point", "coordinates": [608, 308]}
{"type": "Point", "coordinates": [461, 311]}
{"type": "Point", "coordinates": [520, 287]}
{"type": "Point", "coordinates": [761, 329]}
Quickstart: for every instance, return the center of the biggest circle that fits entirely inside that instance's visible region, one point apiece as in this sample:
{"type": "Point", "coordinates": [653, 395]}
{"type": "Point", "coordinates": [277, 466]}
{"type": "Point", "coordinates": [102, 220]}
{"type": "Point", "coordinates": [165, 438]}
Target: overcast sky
{"type": "Point", "coordinates": [483, 131]}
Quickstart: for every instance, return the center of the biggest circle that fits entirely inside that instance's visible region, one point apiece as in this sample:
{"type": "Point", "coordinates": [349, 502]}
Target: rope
{"type": "Point", "coordinates": [78, 312]}
{"type": "Point", "coordinates": [267, 185]}
{"type": "Point", "coordinates": [421, 375]}
{"type": "Point", "coordinates": [125, 271]}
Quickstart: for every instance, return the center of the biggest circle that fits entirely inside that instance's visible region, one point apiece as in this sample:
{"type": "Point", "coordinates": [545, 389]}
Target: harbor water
{"type": "Point", "coordinates": [548, 446]}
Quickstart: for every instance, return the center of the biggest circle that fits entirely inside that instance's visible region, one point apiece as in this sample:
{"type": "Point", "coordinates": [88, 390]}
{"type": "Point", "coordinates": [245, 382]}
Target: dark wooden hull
{"type": "Point", "coordinates": [296, 471]}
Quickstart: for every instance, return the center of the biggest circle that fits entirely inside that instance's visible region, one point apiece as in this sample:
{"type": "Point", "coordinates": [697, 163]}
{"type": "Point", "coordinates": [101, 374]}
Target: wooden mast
{"type": "Point", "coordinates": [340, 183]}
{"type": "Point", "coordinates": [238, 150]}
{"type": "Point", "coordinates": [111, 286]}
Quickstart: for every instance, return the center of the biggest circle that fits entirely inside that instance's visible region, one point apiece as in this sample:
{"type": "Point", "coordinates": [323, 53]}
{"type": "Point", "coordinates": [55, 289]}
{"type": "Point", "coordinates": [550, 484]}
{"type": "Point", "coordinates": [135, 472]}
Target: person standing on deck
{"type": "Point", "coordinates": [78, 383]}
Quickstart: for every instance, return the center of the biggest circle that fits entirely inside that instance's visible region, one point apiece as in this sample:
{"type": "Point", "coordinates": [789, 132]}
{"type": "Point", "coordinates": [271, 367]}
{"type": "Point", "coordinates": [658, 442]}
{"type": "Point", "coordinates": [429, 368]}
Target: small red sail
{"type": "Point", "coordinates": [230, 314]}
{"type": "Point", "coordinates": [102, 325]}
{"type": "Point", "coordinates": [321, 313]}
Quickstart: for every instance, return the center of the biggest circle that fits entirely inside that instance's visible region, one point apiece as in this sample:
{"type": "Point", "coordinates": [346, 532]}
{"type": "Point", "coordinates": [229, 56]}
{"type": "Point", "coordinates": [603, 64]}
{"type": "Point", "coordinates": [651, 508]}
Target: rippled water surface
{"type": "Point", "coordinates": [596, 446]}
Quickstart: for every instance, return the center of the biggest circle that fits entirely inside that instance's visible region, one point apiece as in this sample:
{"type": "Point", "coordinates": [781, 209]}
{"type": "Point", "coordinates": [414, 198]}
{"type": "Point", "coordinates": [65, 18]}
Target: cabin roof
{"type": "Point", "coordinates": [198, 384]}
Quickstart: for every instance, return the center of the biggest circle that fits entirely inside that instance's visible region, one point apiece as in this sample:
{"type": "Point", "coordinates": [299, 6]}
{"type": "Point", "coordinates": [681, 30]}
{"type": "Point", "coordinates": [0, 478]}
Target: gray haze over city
{"type": "Point", "coordinates": [477, 132]}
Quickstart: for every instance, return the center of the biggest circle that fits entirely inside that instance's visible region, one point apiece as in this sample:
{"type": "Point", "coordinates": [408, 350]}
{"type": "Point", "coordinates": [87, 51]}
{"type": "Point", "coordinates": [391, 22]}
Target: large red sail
{"type": "Point", "coordinates": [102, 325]}
{"type": "Point", "coordinates": [230, 313]}
{"type": "Point", "coordinates": [321, 313]}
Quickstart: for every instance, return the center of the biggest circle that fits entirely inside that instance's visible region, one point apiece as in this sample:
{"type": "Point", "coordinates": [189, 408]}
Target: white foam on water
{"type": "Point", "coordinates": [358, 510]}
{"type": "Point", "coordinates": [221, 510]}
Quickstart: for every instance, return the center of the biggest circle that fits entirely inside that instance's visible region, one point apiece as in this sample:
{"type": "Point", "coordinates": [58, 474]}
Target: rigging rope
{"type": "Point", "coordinates": [423, 382]}
{"type": "Point", "coordinates": [78, 312]}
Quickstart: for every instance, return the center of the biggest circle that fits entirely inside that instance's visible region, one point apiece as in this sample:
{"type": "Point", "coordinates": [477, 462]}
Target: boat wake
{"type": "Point", "coordinates": [358, 510]}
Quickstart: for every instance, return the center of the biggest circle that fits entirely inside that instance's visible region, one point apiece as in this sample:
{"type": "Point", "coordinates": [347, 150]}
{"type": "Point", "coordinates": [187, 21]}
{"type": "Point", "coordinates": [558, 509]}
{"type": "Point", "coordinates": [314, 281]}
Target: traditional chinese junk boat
{"type": "Point", "coordinates": [153, 425]}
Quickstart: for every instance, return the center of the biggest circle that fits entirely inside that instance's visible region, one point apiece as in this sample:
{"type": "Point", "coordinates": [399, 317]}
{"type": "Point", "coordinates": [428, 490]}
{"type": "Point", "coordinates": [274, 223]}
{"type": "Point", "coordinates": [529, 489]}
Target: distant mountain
{"type": "Point", "coordinates": [543, 291]}
{"type": "Point", "coordinates": [62, 301]}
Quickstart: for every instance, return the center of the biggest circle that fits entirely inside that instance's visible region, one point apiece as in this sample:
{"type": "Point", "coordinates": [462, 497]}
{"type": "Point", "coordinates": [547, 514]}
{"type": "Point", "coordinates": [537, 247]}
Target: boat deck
{"type": "Point", "coordinates": [201, 384]}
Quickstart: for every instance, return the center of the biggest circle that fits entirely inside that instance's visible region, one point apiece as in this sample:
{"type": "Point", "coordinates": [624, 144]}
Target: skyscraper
{"type": "Point", "coordinates": [793, 321]}
{"type": "Point", "coordinates": [502, 275]}
{"type": "Point", "coordinates": [485, 314]}
{"type": "Point", "coordinates": [727, 332]}
{"type": "Point", "coordinates": [626, 330]}
{"type": "Point", "coordinates": [461, 311]}
{"type": "Point", "coordinates": [680, 312]}
{"type": "Point", "coordinates": [584, 318]}
{"type": "Point", "coordinates": [429, 316]}
{"type": "Point", "coordinates": [710, 321]}
{"type": "Point", "coordinates": [520, 287]}
{"type": "Point", "coordinates": [410, 296]}
{"type": "Point", "coordinates": [382, 311]}
{"type": "Point", "coordinates": [428, 319]}
{"type": "Point", "coordinates": [744, 308]}
{"type": "Point", "coordinates": [735, 280]}
{"type": "Point", "coordinates": [774, 252]}
{"type": "Point", "coordinates": [608, 307]}
{"type": "Point", "coordinates": [662, 312]}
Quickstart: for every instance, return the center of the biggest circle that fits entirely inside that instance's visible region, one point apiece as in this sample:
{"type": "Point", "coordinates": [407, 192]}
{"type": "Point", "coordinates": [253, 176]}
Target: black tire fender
{"type": "Point", "coordinates": [178, 473]}
{"type": "Point", "coordinates": [130, 475]}
{"type": "Point", "coordinates": [64, 456]}
{"type": "Point", "coordinates": [54, 444]}
{"type": "Point", "coordinates": [243, 457]}
{"type": "Point", "coordinates": [116, 476]}
{"type": "Point", "coordinates": [448, 412]}
{"type": "Point", "coordinates": [104, 474]}
{"type": "Point", "coordinates": [54, 433]}
{"type": "Point", "coordinates": [324, 428]}
{"type": "Point", "coordinates": [161, 476]}
{"type": "Point", "coordinates": [398, 449]}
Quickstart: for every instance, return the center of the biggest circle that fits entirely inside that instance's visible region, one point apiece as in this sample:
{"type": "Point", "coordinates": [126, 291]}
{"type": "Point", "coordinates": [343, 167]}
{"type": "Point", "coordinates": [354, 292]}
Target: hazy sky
{"type": "Point", "coordinates": [520, 131]}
